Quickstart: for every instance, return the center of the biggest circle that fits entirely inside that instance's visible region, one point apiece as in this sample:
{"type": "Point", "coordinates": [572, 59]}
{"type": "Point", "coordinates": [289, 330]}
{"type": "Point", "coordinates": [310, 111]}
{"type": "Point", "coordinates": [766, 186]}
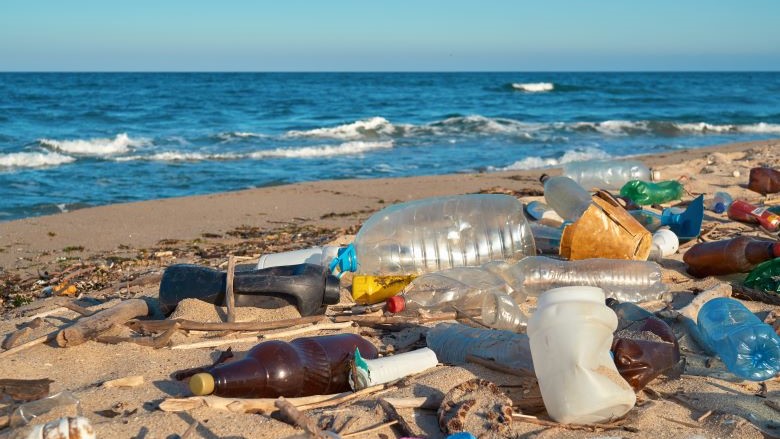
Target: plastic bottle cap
{"type": "Point", "coordinates": [396, 304]}
{"type": "Point", "coordinates": [719, 207]}
{"type": "Point", "coordinates": [202, 384]}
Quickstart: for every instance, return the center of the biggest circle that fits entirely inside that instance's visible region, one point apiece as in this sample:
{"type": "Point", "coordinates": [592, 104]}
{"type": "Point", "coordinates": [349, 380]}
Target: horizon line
{"type": "Point", "coordinates": [403, 71]}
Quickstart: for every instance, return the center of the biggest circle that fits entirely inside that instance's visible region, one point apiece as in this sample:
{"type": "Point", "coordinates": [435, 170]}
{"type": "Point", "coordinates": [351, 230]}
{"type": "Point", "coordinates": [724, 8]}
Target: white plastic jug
{"type": "Point", "coordinates": [570, 335]}
{"type": "Point", "coordinates": [313, 255]}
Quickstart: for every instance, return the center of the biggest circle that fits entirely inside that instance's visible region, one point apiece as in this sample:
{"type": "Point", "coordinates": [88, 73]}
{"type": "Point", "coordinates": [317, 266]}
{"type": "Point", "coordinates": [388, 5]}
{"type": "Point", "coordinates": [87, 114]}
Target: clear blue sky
{"type": "Point", "coordinates": [397, 35]}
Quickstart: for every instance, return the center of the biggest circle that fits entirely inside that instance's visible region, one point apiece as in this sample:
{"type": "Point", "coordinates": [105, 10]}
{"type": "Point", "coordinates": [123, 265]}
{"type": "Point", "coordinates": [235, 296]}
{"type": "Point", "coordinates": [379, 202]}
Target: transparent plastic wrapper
{"type": "Point", "coordinates": [624, 280]}
{"type": "Point", "coordinates": [566, 197]}
{"type": "Point", "coordinates": [465, 289]}
{"type": "Point", "coordinates": [749, 348]}
{"type": "Point", "coordinates": [27, 412]}
{"type": "Point", "coordinates": [765, 277]}
{"type": "Point", "coordinates": [570, 336]}
{"type": "Point", "coordinates": [606, 174]}
{"type": "Point", "coordinates": [453, 342]}
{"type": "Point", "coordinates": [434, 234]}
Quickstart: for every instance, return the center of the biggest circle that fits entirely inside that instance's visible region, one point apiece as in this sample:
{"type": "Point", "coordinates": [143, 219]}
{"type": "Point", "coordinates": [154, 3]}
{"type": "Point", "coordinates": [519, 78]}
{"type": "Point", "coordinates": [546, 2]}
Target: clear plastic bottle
{"type": "Point", "coordinates": [624, 280]}
{"type": "Point", "coordinates": [464, 288]}
{"type": "Point", "coordinates": [543, 213]}
{"type": "Point", "coordinates": [719, 202]}
{"type": "Point", "coordinates": [606, 174]}
{"type": "Point", "coordinates": [433, 234]}
{"type": "Point", "coordinates": [547, 239]}
{"type": "Point", "coordinates": [453, 342]}
{"type": "Point", "coordinates": [566, 197]}
{"type": "Point", "coordinates": [749, 348]}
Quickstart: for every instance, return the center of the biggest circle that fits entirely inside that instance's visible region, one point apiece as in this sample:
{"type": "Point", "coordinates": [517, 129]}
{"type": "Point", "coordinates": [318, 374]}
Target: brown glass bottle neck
{"type": "Point", "coordinates": [760, 251]}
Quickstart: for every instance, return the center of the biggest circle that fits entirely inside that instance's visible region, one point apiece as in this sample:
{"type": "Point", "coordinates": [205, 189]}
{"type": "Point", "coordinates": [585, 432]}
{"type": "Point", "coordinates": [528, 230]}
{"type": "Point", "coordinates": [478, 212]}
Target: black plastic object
{"type": "Point", "coordinates": [308, 286]}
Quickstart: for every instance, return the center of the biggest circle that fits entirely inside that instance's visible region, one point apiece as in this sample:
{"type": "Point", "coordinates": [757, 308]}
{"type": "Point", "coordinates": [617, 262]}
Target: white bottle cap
{"type": "Point", "coordinates": [666, 241]}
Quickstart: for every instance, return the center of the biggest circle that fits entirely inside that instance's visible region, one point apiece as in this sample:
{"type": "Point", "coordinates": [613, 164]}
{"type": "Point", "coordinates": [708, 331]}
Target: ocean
{"type": "Point", "coordinates": [74, 140]}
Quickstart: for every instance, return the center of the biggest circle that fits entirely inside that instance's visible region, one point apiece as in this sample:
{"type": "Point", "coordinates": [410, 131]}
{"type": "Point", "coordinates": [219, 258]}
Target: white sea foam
{"type": "Point", "coordinates": [575, 155]}
{"type": "Point", "coordinates": [237, 135]}
{"type": "Point", "coordinates": [534, 87]}
{"type": "Point", "coordinates": [177, 156]}
{"type": "Point", "coordinates": [703, 127]}
{"type": "Point", "coordinates": [347, 148]}
{"type": "Point", "coordinates": [374, 127]}
{"type": "Point", "coordinates": [33, 159]}
{"type": "Point", "coordinates": [121, 144]}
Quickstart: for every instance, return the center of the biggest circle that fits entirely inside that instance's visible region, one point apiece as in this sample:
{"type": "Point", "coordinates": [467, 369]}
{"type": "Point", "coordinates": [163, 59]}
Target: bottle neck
{"type": "Point", "coordinates": [760, 251]}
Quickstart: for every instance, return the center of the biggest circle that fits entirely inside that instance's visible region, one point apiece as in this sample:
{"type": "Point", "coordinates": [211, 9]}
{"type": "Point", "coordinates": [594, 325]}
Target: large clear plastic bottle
{"type": "Point", "coordinates": [624, 280]}
{"type": "Point", "coordinates": [606, 174]}
{"type": "Point", "coordinates": [749, 348]}
{"type": "Point", "coordinates": [566, 197]}
{"type": "Point", "coordinates": [433, 234]}
{"type": "Point", "coordinates": [453, 342]}
{"type": "Point", "coordinates": [464, 289]}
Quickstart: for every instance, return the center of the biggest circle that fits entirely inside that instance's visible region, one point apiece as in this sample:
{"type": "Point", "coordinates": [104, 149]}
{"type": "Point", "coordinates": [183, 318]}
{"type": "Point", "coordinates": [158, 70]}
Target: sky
{"type": "Point", "coordinates": [398, 35]}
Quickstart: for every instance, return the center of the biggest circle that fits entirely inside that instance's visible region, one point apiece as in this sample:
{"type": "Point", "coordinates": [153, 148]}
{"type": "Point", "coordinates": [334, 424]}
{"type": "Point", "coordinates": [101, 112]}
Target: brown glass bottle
{"type": "Point", "coordinates": [764, 181]}
{"type": "Point", "coordinates": [302, 367]}
{"type": "Point", "coordinates": [737, 255]}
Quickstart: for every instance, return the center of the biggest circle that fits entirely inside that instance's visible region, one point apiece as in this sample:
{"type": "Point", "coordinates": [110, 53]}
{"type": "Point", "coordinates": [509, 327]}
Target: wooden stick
{"type": "Point", "coordinates": [744, 292]}
{"type": "Point", "coordinates": [391, 320]}
{"type": "Point", "coordinates": [215, 343]}
{"type": "Point", "coordinates": [372, 429]}
{"type": "Point", "coordinates": [91, 326]}
{"type": "Point", "coordinates": [307, 329]}
{"type": "Point", "coordinates": [230, 298]}
{"type": "Point", "coordinates": [240, 405]}
{"type": "Point", "coordinates": [16, 337]}
{"type": "Point", "coordinates": [293, 416]}
{"type": "Point", "coordinates": [40, 340]}
{"type": "Point", "coordinates": [190, 430]}
{"type": "Point", "coordinates": [79, 309]}
{"type": "Point", "coordinates": [429, 403]}
{"type": "Point", "coordinates": [190, 325]}
{"type": "Point", "coordinates": [348, 397]}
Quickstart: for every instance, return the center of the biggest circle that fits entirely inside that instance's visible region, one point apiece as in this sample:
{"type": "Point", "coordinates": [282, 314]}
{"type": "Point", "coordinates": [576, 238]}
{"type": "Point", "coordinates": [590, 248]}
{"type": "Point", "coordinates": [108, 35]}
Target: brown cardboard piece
{"type": "Point", "coordinates": [605, 230]}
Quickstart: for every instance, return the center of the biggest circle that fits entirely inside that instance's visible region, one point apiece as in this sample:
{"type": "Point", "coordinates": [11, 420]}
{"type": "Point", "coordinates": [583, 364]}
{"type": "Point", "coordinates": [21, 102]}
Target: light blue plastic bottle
{"type": "Point", "coordinates": [749, 348]}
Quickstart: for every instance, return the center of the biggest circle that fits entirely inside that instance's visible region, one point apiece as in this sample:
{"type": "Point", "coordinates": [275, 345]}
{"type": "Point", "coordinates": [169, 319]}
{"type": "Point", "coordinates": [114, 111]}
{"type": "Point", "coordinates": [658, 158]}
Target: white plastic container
{"type": "Point", "coordinates": [606, 174]}
{"type": "Point", "coordinates": [570, 336]}
{"type": "Point", "coordinates": [386, 369]}
{"type": "Point", "coordinates": [313, 255]}
{"type": "Point", "coordinates": [665, 243]}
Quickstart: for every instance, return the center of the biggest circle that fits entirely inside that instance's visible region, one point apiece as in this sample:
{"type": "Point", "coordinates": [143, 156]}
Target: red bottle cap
{"type": "Point", "coordinates": [396, 304]}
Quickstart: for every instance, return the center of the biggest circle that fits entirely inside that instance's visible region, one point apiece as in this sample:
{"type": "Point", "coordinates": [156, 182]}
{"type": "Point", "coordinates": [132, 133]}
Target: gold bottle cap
{"type": "Point", "coordinates": [202, 384]}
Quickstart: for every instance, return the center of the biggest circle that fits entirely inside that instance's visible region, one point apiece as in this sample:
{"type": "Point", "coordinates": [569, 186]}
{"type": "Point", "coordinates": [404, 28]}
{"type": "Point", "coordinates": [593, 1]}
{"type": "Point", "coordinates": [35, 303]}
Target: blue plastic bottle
{"type": "Point", "coordinates": [749, 348]}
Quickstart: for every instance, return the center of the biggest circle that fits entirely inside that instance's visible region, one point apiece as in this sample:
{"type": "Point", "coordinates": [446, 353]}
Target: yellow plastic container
{"type": "Point", "coordinates": [367, 290]}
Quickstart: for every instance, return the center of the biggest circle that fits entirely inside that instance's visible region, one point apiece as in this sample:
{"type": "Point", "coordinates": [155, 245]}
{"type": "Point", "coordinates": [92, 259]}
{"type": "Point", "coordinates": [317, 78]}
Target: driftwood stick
{"type": "Point", "coordinates": [35, 342]}
{"type": "Point", "coordinates": [91, 326]}
{"type": "Point", "coordinates": [157, 342]}
{"type": "Point", "coordinates": [215, 343]}
{"type": "Point", "coordinates": [391, 320]}
{"type": "Point", "coordinates": [190, 325]}
{"type": "Point", "coordinates": [341, 399]}
{"type": "Point", "coordinates": [128, 381]}
{"type": "Point", "coordinates": [230, 298]}
{"type": "Point", "coordinates": [294, 417]}
{"type": "Point", "coordinates": [79, 309]}
{"type": "Point", "coordinates": [240, 405]}
{"type": "Point", "coordinates": [429, 403]}
{"type": "Point", "coordinates": [16, 337]}
{"type": "Point", "coordinates": [307, 329]}
{"type": "Point", "coordinates": [190, 431]}
{"type": "Point", "coordinates": [372, 429]}
{"type": "Point", "coordinates": [743, 292]}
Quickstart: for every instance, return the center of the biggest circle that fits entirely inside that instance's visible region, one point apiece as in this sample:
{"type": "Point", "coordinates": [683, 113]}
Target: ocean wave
{"type": "Point", "coordinates": [33, 159]}
{"type": "Point", "coordinates": [238, 135]}
{"type": "Point", "coordinates": [121, 144]}
{"type": "Point", "coordinates": [347, 148]}
{"type": "Point", "coordinates": [375, 127]}
{"type": "Point", "coordinates": [575, 155]}
{"type": "Point", "coordinates": [178, 156]}
{"type": "Point", "coordinates": [667, 128]}
{"type": "Point", "coordinates": [534, 87]}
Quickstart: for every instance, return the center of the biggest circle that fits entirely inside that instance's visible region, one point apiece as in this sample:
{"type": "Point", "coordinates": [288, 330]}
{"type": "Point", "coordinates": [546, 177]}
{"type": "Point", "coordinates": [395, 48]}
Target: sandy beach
{"type": "Point", "coordinates": [117, 252]}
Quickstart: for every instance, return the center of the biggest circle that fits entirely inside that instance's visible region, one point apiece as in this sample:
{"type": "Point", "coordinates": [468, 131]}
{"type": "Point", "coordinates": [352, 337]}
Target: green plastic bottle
{"type": "Point", "coordinates": [765, 277]}
{"type": "Point", "coordinates": [645, 193]}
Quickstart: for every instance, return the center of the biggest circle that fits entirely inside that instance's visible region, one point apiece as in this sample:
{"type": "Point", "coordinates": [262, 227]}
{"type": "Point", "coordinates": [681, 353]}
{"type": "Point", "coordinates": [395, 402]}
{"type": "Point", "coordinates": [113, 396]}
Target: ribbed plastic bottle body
{"type": "Point", "coordinates": [453, 342]}
{"type": "Point", "coordinates": [606, 174]}
{"type": "Point", "coordinates": [566, 197]}
{"type": "Point", "coordinates": [749, 348]}
{"type": "Point", "coordinates": [465, 288]}
{"type": "Point", "coordinates": [624, 280]}
{"type": "Point", "coordinates": [438, 233]}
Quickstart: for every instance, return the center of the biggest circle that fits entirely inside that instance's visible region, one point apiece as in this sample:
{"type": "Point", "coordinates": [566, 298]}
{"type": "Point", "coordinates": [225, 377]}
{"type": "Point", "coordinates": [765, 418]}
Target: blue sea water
{"type": "Point", "coordinates": [71, 140]}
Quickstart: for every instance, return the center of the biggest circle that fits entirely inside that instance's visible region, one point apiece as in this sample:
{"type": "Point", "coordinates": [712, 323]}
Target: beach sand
{"type": "Point", "coordinates": [117, 252]}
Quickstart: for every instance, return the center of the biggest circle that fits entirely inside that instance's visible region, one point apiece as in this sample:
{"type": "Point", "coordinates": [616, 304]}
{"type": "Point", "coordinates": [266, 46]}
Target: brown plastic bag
{"type": "Point", "coordinates": [605, 230]}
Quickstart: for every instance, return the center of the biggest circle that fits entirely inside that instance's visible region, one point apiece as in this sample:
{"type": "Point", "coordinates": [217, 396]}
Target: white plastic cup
{"type": "Point", "coordinates": [386, 369]}
{"type": "Point", "coordinates": [313, 255]}
{"type": "Point", "coordinates": [570, 336]}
